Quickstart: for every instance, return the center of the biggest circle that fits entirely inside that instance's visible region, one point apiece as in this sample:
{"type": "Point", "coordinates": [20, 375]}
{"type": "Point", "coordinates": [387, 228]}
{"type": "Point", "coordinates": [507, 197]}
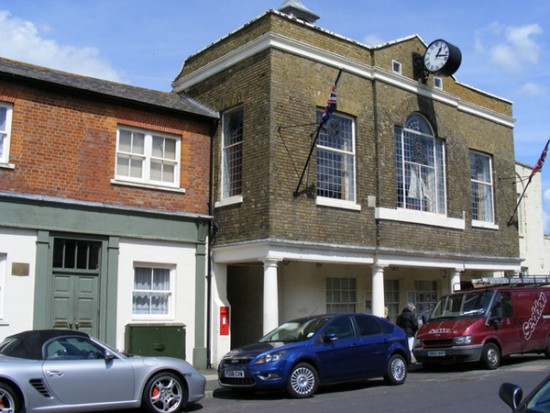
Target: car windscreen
{"type": "Point", "coordinates": [296, 330]}
{"type": "Point", "coordinates": [463, 305]}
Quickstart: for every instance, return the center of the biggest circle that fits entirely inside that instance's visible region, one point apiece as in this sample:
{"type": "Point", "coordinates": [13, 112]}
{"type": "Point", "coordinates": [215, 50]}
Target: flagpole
{"type": "Point", "coordinates": [511, 220]}
{"type": "Point", "coordinates": [317, 132]}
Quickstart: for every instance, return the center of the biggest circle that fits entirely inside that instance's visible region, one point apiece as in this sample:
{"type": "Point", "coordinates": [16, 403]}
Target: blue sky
{"type": "Point", "coordinates": [505, 44]}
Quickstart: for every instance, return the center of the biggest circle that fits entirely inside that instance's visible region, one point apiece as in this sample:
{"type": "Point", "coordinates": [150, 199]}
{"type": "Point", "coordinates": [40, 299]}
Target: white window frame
{"type": "Point", "coordinates": [343, 296]}
{"type": "Point", "coordinates": [437, 205]}
{"type": "Point", "coordinates": [148, 158]}
{"type": "Point", "coordinates": [169, 315]}
{"type": "Point", "coordinates": [489, 186]}
{"type": "Point", "coordinates": [226, 182]}
{"type": "Point", "coordinates": [396, 67]}
{"type": "Point", "coordinates": [5, 135]}
{"type": "Point", "coordinates": [438, 82]}
{"type": "Point", "coordinates": [349, 178]}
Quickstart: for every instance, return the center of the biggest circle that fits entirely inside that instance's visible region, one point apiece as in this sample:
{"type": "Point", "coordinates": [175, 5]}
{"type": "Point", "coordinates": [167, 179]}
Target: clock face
{"type": "Point", "coordinates": [436, 56]}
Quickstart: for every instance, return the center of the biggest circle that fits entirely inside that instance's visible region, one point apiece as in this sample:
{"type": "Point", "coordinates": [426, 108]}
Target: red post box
{"type": "Point", "coordinates": [224, 321]}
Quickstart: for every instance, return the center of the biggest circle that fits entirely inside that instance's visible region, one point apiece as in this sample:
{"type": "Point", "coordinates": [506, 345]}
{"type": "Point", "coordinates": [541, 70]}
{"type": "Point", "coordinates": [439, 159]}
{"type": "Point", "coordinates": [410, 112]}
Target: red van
{"type": "Point", "coordinates": [486, 324]}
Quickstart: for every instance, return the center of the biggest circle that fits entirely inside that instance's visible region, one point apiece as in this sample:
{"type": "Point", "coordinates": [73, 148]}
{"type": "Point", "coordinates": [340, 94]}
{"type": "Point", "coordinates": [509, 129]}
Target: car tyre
{"type": "Point", "coordinates": [396, 370]}
{"type": "Point", "coordinates": [164, 393]}
{"type": "Point", "coordinates": [303, 381]}
{"type": "Point", "coordinates": [9, 399]}
{"type": "Point", "coordinates": [490, 356]}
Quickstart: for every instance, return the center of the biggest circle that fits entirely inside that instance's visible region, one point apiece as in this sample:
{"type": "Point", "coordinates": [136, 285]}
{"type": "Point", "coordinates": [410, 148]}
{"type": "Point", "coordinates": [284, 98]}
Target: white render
{"type": "Point", "coordinates": [530, 223]}
{"type": "Point", "coordinates": [181, 258]}
{"type": "Point", "coordinates": [16, 291]}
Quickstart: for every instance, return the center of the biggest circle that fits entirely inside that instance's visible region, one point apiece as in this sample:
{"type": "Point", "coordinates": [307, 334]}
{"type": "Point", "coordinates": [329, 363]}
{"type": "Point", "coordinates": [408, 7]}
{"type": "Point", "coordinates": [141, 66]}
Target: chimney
{"type": "Point", "coordinates": [295, 8]}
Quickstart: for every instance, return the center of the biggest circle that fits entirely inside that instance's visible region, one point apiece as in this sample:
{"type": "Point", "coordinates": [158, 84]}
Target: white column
{"type": "Point", "coordinates": [271, 295]}
{"type": "Point", "coordinates": [378, 290]}
{"type": "Point", "coordinates": [455, 280]}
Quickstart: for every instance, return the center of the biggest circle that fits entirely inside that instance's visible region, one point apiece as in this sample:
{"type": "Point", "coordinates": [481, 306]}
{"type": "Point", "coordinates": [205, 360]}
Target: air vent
{"type": "Point", "coordinates": [39, 385]}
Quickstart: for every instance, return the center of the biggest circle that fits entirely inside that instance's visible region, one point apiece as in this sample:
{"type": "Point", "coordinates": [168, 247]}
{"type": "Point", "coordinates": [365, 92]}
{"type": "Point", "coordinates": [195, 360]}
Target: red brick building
{"type": "Point", "coordinates": [104, 206]}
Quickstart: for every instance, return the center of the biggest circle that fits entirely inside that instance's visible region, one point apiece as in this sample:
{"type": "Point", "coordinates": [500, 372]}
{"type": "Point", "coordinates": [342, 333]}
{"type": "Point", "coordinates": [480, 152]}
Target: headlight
{"type": "Point", "coordinates": [270, 357]}
{"type": "Point", "coordinates": [417, 342]}
{"type": "Point", "coordinates": [462, 340]}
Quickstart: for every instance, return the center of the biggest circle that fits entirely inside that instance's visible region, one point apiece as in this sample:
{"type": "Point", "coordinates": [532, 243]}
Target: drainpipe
{"type": "Point", "coordinates": [212, 229]}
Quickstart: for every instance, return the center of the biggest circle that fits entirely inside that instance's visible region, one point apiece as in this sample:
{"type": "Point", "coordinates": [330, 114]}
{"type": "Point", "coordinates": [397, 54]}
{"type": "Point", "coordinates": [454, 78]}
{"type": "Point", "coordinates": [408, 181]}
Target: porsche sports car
{"type": "Point", "coordinates": [69, 371]}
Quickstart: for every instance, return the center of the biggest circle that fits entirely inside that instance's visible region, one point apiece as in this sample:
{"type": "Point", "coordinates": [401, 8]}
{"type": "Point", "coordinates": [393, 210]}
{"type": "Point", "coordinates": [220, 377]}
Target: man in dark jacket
{"type": "Point", "coordinates": [407, 321]}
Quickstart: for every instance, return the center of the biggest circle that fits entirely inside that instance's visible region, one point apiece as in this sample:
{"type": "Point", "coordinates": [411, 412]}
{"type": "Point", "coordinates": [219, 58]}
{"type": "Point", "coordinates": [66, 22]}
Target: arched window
{"type": "Point", "coordinates": [420, 166]}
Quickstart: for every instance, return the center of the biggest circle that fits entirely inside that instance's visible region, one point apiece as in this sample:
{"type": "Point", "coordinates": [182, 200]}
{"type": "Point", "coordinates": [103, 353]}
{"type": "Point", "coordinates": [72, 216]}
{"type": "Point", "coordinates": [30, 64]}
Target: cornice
{"type": "Point", "coordinates": [298, 48]}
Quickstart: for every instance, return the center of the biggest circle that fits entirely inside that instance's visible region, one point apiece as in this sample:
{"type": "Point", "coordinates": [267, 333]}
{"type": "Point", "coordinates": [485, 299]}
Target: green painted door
{"type": "Point", "coordinates": [76, 285]}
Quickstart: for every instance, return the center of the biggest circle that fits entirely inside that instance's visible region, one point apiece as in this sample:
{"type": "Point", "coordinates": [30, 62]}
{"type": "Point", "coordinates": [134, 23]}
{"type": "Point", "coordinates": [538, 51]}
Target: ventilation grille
{"type": "Point", "coordinates": [39, 385]}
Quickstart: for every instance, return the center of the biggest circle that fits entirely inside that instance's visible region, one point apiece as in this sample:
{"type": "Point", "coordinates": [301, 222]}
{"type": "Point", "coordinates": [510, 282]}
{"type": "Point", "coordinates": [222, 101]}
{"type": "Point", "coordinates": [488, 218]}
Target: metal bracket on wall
{"type": "Point", "coordinates": [419, 71]}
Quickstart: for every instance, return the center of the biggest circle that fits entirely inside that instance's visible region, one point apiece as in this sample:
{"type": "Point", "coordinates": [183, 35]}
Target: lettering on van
{"type": "Point", "coordinates": [537, 309]}
{"type": "Point", "coordinates": [439, 331]}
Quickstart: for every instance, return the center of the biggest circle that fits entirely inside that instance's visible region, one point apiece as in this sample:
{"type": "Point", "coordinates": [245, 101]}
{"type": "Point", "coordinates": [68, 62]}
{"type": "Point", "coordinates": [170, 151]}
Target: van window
{"type": "Point", "coordinates": [503, 305]}
{"type": "Point", "coordinates": [472, 304]}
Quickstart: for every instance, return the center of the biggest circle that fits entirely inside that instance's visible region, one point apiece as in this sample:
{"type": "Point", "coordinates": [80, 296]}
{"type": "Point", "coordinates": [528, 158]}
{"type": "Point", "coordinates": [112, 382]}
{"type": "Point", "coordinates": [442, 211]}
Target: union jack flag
{"type": "Point", "coordinates": [540, 162]}
{"type": "Point", "coordinates": [331, 103]}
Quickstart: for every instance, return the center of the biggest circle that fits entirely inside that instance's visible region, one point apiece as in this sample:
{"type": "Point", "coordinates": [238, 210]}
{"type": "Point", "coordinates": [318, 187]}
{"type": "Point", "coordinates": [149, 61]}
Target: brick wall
{"type": "Point", "coordinates": [280, 93]}
{"type": "Point", "coordinates": [64, 146]}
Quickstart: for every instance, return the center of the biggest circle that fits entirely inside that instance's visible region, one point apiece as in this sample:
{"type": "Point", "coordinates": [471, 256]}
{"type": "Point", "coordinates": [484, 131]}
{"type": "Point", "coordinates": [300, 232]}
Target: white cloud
{"type": "Point", "coordinates": [509, 47]}
{"type": "Point", "coordinates": [373, 40]}
{"type": "Point", "coordinates": [21, 40]}
{"type": "Point", "coordinates": [532, 89]}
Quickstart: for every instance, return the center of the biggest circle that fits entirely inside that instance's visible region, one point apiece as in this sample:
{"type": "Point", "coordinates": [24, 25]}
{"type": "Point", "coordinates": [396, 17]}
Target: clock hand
{"type": "Point", "coordinates": [441, 55]}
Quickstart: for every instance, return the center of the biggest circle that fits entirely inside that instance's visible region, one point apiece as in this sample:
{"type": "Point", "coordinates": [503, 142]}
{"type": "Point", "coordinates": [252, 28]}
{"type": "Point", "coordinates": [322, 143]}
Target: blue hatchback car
{"type": "Point", "coordinates": [302, 354]}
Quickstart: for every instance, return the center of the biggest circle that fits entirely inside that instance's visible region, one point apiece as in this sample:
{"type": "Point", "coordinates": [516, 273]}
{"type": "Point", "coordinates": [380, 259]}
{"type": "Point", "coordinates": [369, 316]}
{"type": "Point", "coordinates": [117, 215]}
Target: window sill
{"type": "Point", "coordinates": [417, 217]}
{"type": "Point", "coordinates": [147, 186]}
{"type": "Point", "coordinates": [232, 200]}
{"type": "Point", "coordinates": [484, 224]}
{"type": "Point", "coordinates": [337, 203]}
{"type": "Point", "coordinates": [7, 165]}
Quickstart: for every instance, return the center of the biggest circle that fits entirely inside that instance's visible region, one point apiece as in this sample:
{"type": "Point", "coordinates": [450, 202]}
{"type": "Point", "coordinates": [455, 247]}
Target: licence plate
{"type": "Point", "coordinates": [233, 373]}
{"type": "Point", "coordinates": [436, 354]}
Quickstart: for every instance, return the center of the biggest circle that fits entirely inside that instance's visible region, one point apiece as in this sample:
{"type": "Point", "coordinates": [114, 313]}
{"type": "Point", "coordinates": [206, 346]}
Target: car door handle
{"type": "Point", "coordinates": [54, 373]}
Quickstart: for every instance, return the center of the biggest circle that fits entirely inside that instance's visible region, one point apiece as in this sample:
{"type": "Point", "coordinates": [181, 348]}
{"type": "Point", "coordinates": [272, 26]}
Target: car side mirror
{"type": "Point", "coordinates": [511, 394]}
{"type": "Point", "coordinates": [329, 337]}
{"type": "Point", "coordinates": [109, 355]}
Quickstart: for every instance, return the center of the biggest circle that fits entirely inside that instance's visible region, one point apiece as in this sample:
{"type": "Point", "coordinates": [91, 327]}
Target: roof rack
{"type": "Point", "coordinates": [514, 280]}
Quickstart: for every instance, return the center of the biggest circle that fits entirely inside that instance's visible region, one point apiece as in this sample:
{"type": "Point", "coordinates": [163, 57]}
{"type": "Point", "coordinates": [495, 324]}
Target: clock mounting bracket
{"type": "Point", "coordinates": [420, 72]}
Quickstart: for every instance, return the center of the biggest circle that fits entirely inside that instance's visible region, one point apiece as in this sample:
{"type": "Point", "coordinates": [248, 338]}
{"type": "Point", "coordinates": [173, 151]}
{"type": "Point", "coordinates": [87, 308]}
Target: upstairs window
{"type": "Point", "coordinates": [5, 131]}
{"type": "Point", "coordinates": [481, 176]}
{"type": "Point", "coordinates": [148, 157]}
{"type": "Point", "coordinates": [420, 167]}
{"type": "Point", "coordinates": [232, 153]}
{"type": "Point", "coordinates": [336, 158]}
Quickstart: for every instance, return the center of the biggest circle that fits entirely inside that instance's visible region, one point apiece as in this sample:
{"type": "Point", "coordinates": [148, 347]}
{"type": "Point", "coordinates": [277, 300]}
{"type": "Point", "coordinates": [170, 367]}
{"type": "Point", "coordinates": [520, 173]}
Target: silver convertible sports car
{"type": "Point", "coordinates": [68, 371]}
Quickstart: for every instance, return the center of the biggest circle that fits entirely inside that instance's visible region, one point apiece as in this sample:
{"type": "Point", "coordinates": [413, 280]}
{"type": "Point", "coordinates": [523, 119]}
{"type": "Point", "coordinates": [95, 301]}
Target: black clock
{"type": "Point", "coordinates": [442, 58]}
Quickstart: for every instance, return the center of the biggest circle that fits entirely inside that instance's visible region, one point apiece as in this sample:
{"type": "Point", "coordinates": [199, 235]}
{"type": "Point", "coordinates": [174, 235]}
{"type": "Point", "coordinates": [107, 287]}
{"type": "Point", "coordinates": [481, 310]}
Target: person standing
{"type": "Point", "coordinates": [407, 321]}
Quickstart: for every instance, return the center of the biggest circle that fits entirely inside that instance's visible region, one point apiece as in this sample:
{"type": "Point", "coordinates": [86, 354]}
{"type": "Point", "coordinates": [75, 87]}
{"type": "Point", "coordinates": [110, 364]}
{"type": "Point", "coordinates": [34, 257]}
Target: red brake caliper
{"type": "Point", "coordinates": [156, 392]}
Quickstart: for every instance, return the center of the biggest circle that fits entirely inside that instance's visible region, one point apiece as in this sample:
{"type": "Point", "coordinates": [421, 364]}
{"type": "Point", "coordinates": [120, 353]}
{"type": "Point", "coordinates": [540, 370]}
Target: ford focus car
{"type": "Point", "coordinates": [302, 354]}
{"type": "Point", "coordinates": [69, 371]}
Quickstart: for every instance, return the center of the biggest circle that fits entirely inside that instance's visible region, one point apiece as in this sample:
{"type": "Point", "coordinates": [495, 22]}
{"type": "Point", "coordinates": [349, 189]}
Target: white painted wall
{"type": "Point", "coordinates": [531, 225]}
{"type": "Point", "coordinates": [182, 257]}
{"type": "Point", "coordinates": [16, 292]}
